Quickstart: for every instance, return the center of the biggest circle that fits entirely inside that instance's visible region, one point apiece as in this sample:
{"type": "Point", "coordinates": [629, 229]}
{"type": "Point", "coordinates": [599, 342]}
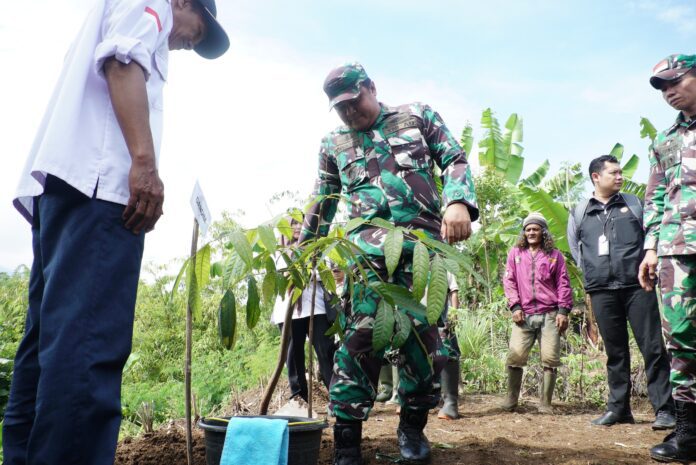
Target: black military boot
{"type": "Point", "coordinates": [680, 444]}
{"type": "Point", "coordinates": [347, 436]}
{"type": "Point", "coordinates": [413, 444]}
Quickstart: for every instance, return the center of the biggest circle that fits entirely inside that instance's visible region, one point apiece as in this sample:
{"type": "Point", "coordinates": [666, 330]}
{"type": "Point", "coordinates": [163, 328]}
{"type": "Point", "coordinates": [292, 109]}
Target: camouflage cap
{"type": "Point", "coordinates": [343, 83]}
{"type": "Point", "coordinates": [671, 68]}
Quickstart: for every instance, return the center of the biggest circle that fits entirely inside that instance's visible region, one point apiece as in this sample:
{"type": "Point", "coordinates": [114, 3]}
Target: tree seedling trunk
{"type": "Point", "coordinates": [187, 364]}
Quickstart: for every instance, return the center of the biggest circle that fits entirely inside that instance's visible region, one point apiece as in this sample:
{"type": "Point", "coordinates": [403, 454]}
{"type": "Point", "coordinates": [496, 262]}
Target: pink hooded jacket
{"type": "Point", "coordinates": [538, 284]}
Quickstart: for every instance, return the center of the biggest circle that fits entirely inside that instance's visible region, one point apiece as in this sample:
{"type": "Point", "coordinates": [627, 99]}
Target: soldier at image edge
{"type": "Point", "coordinates": [670, 245]}
{"type": "Point", "coordinates": [383, 161]}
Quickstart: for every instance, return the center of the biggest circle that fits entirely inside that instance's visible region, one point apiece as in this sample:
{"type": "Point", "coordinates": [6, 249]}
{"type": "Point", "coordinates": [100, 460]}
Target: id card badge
{"type": "Point", "coordinates": [603, 245]}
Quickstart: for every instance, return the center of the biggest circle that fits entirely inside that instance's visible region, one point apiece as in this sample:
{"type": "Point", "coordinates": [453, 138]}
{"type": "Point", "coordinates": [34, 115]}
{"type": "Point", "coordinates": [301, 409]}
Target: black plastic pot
{"type": "Point", "coordinates": [303, 447]}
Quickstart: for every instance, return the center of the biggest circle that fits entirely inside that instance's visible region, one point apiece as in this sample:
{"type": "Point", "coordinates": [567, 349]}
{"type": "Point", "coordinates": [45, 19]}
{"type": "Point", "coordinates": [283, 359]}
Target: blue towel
{"type": "Point", "coordinates": [256, 441]}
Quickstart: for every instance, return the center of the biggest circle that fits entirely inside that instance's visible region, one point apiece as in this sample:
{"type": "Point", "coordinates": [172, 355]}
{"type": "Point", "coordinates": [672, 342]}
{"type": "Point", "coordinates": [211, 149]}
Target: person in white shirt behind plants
{"type": "Point", "coordinates": [324, 346]}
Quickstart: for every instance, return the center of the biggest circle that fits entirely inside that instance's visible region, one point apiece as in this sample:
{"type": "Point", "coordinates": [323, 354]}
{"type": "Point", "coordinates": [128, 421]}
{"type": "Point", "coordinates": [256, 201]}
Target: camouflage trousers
{"type": "Point", "coordinates": [446, 328]}
{"type": "Point", "coordinates": [356, 366]}
{"type": "Point", "coordinates": [677, 278]}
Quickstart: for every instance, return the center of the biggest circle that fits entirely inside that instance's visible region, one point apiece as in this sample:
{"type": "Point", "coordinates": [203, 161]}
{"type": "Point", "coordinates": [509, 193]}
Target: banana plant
{"type": "Point", "coordinates": [502, 152]}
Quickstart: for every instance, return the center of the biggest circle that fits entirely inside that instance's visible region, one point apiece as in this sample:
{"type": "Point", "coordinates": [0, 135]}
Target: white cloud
{"type": "Point", "coordinates": [677, 13]}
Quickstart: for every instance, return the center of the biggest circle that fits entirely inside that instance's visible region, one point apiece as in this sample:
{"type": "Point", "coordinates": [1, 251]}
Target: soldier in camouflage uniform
{"type": "Point", "coordinates": [670, 223]}
{"type": "Point", "coordinates": [382, 161]}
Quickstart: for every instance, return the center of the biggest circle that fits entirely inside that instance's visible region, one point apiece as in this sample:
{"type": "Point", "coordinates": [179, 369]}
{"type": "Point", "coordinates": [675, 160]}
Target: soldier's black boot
{"type": "Point", "coordinates": [413, 444]}
{"type": "Point", "coordinates": [347, 437]}
{"type": "Point", "coordinates": [680, 444]}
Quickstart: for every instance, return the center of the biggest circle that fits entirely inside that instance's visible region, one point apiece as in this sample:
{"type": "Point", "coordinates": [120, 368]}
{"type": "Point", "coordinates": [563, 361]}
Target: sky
{"type": "Point", "coordinates": [248, 126]}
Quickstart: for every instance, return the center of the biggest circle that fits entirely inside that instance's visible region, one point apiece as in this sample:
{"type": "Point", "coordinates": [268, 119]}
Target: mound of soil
{"type": "Point", "coordinates": [483, 436]}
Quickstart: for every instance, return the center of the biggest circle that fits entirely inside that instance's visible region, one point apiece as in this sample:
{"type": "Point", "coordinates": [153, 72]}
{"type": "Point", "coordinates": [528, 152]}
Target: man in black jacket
{"type": "Point", "coordinates": [605, 234]}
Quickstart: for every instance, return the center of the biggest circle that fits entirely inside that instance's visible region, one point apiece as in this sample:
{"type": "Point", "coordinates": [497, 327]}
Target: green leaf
{"type": "Point", "coordinates": [227, 319]}
{"type": "Point", "coordinates": [203, 266]}
{"type": "Point", "coordinates": [629, 169]}
{"type": "Point", "coordinates": [403, 329]}
{"type": "Point", "coordinates": [452, 266]}
{"type": "Point", "coordinates": [253, 310]}
{"type": "Point", "coordinates": [398, 296]}
{"type": "Point", "coordinates": [327, 278]}
{"type": "Point", "coordinates": [421, 268]}
{"type": "Point", "coordinates": [635, 188]}
{"type": "Point", "coordinates": [281, 284]}
{"type": "Point", "coordinates": [537, 176]}
{"type": "Point", "coordinates": [514, 169]}
{"type": "Point", "coordinates": [647, 129]}
{"type": "Point", "coordinates": [241, 246]}
{"type": "Point", "coordinates": [491, 145]}
{"type": "Point", "coordinates": [437, 290]}
{"type": "Point", "coordinates": [284, 228]}
{"type": "Point", "coordinates": [216, 270]}
{"type": "Point", "coordinates": [467, 139]}
{"type": "Point", "coordinates": [194, 292]}
{"type": "Point", "coordinates": [393, 244]}
{"type": "Point", "coordinates": [617, 151]}
{"type": "Point", "coordinates": [355, 223]}
{"type": "Point", "coordinates": [177, 280]}
{"type": "Point", "coordinates": [382, 223]}
{"type": "Point", "coordinates": [268, 288]}
{"type": "Point", "coordinates": [267, 237]}
{"type": "Point", "coordinates": [512, 135]}
{"type": "Point", "coordinates": [384, 326]}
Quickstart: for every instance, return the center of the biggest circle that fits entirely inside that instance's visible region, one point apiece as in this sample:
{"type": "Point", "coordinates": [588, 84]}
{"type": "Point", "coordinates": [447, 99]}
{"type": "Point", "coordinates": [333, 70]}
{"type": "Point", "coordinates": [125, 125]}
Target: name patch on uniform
{"type": "Point", "coordinates": [399, 123]}
{"type": "Point", "coordinates": [345, 142]}
{"type": "Point", "coordinates": [670, 154]}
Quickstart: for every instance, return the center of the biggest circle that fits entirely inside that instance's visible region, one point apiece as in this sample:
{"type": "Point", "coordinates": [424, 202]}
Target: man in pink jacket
{"type": "Point", "coordinates": [539, 296]}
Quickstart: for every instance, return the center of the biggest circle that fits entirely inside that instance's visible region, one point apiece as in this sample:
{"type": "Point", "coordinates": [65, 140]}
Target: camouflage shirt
{"type": "Point", "coordinates": [387, 172]}
{"type": "Point", "coordinates": [670, 199]}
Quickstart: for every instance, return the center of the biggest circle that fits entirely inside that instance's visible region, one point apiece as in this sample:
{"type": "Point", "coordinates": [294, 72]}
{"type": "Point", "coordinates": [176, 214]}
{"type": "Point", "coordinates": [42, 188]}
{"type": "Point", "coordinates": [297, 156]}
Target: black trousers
{"type": "Point", "coordinates": [639, 308]}
{"type": "Point", "coordinates": [324, 347]}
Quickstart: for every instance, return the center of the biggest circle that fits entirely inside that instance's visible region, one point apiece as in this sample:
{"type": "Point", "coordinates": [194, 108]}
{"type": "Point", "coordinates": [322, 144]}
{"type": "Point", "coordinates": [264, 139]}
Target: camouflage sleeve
{"type": "Point", "coordinates": [654, 202]}
{"type": "Point", "coordinates": [457, 183]}
{"type": "Point", "coordinates": [327, 189]}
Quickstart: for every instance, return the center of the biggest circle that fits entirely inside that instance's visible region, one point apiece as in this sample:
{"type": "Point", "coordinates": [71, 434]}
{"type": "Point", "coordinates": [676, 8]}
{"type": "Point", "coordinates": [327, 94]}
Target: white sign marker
{"type": "Point", "coordinates": [200, 209]}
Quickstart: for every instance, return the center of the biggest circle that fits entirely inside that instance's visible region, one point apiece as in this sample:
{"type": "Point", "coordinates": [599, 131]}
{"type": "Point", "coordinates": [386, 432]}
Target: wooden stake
{"type": "Point", "coordinates": [187, 365]}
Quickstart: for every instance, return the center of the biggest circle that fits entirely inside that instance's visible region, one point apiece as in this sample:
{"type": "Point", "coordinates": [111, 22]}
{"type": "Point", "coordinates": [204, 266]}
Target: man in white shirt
{"type": "Point", "coordinates": [91, 190]}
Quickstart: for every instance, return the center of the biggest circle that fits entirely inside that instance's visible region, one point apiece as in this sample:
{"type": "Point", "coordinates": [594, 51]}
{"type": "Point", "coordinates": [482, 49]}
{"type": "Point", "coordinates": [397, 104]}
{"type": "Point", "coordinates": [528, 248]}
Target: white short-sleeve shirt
{"type": "Point", "coordinates": [79, 139]}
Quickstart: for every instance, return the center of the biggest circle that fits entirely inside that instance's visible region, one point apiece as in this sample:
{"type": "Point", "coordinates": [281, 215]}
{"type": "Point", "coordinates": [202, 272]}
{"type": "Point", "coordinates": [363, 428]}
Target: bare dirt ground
{"type": "Point", "coordinates": [484, 435]}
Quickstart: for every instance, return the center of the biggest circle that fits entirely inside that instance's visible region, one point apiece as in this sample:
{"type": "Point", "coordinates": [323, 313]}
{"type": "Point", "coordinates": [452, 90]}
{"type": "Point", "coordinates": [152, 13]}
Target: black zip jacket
{"type": "Point", "coordinates": [618, 269]}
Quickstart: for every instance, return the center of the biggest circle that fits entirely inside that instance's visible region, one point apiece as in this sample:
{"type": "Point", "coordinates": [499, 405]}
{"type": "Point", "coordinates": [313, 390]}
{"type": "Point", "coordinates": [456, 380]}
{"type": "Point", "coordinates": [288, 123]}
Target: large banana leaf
{"type": "Point", "coordinates": [490, 146]}
{"type": "Point", "coordinates": [467, 140]}
{"type": "Point", "coordinates": [635, 188]}
{"type": "Point", "coordinates": [556, 215]}
{"type": "Point", "coordinates": [512, 136]}
{"type": "Point", "coordinates": [537, 176]}
{"type": "Point", "coordinates": [629, 169]}
{"type": "Point", "coordinates": [514, 169]}
{"type": "Point", "coordinates": [647, 129]}
{"type": "Point", "coordinates": [617, 151]}
{"type": "Point", "coordinates": [562, 186]}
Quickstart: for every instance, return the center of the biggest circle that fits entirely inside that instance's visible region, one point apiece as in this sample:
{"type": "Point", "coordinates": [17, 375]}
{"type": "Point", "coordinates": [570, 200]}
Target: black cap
{"type": "Point", "coordinates": [216, 41]}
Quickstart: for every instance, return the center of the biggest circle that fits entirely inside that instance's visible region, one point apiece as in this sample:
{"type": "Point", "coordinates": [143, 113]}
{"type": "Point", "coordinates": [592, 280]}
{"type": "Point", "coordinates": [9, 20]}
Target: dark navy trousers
{"type": "Point", "coordinates": [64, 405]}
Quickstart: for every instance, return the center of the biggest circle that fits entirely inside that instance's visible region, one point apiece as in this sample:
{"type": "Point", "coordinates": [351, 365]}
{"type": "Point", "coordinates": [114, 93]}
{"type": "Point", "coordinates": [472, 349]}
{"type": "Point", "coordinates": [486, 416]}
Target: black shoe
{"type": "Point", "coordinates": [664, 420]}
{"type": "Point", "coordinates": [413, 444]}
{"type": "Point", "coordinates": [347, 437]}
{"type": "Point", "coordinates": [611, 418]}
{"type": "Point", "coordinates": [679, 445]}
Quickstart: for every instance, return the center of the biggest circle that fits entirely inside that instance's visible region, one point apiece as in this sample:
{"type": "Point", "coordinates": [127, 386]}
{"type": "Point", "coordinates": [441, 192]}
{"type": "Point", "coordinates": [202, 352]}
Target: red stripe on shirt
{"type": "Point", "coordinates": [154, 13]}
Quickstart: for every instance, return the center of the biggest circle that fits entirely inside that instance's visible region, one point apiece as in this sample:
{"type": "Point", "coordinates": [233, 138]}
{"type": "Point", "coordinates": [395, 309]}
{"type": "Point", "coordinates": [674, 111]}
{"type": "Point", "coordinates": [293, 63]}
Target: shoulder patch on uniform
{"type": "Point", "coordinates": [156, 16]}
